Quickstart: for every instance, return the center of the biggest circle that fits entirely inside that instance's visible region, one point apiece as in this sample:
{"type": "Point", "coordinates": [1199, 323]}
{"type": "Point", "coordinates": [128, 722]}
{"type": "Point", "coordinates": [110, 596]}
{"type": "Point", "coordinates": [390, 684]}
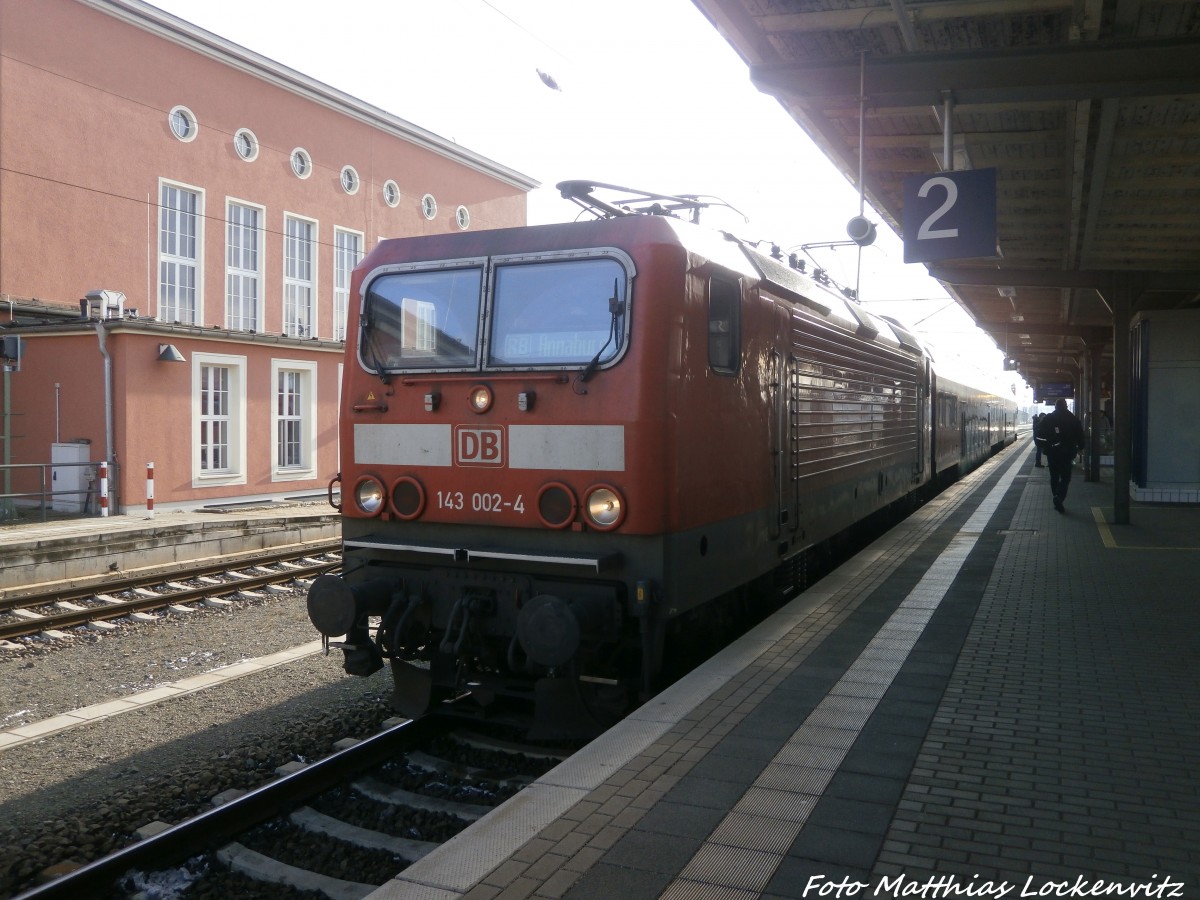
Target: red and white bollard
{"type": "Point", "coordinates": [150, 489]}
{"type": "Point", "coordinates": [104, 489]}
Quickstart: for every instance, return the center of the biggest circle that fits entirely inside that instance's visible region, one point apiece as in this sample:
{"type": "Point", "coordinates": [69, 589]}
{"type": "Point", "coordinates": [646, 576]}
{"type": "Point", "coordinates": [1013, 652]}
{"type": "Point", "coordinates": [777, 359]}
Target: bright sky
{"type": "Point", "coordinates": [650, 97]}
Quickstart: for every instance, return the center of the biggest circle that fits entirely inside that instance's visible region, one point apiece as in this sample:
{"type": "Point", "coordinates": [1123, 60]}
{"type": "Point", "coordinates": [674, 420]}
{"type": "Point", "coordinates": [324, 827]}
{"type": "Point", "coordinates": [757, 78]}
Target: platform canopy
{"type": "Point", "coordinates": [1088, 111]}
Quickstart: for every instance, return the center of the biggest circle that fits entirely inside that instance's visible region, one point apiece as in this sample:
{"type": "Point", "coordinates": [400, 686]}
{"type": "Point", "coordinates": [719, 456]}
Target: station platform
{"type": "Point", "coordinates": [994, 699]}
{"type": "Point", "coordinates": [40, 555]}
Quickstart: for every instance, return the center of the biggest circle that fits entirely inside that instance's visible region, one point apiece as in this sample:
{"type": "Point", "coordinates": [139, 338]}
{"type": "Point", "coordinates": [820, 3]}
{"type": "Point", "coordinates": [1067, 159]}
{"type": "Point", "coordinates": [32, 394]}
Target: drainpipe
{"type": "Point", "coordinates": [108, 398]}
{"type": "Point", "coordinates": [7, 506]}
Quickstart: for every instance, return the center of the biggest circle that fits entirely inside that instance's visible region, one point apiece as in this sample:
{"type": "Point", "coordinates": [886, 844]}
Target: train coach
{"type": "Point", "coordinates": [567, 447]}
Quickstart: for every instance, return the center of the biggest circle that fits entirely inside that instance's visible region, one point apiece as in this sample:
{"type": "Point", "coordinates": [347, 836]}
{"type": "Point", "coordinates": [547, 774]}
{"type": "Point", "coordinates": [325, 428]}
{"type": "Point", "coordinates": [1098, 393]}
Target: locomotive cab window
{"type": "Point", "coordinates": [724, 325]}
{"type": "Point", "coordinates": [422, 320]}
{"type": "Point", "coordinates": [569, 312]}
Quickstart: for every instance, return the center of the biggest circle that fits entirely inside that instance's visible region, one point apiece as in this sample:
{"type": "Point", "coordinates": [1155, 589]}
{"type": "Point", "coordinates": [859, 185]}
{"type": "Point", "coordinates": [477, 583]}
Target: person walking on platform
{"type": "Point", "coordinates": [1062, 438]}
{"type": "Point", "coordinates": [1037, 439]}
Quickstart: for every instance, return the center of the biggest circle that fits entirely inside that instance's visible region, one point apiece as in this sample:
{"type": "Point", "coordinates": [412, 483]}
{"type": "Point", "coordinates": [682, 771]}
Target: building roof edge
{"type": "Point", "coordinates": [152, 19]}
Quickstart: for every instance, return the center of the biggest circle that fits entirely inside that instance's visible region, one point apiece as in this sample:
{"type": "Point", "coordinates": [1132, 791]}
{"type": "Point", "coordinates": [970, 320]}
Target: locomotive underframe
{"type": "Point", "coordinates": [560, 626]}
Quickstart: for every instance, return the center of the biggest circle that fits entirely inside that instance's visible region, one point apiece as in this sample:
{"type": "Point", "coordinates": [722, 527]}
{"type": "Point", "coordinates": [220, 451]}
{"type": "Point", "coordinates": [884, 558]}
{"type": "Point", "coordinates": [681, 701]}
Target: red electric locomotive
{"type": "Point", "coordinates": [561, 443]}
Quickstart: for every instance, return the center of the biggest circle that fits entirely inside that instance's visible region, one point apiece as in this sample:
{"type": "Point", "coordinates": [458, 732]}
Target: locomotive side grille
{"type": "Point", "coordinates": [851, 402]}
{"type": "Point", "coordinates": [795, 404]}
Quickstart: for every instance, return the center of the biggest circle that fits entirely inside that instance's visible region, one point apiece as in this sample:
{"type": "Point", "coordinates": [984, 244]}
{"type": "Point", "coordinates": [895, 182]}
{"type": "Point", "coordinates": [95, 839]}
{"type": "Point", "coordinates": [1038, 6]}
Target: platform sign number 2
{"type": "Point", "coordinates": [951, 215]}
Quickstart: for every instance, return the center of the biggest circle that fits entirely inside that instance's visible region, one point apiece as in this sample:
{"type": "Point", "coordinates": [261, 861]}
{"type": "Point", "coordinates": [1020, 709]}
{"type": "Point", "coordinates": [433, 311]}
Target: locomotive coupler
{"type": "Point", "coordinates": [469, 605]}
{"type": "Point", "coordinates": [399, 634]}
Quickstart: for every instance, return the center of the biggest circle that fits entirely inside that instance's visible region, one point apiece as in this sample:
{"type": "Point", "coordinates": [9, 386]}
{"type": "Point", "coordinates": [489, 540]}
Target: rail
{"type": "Point", "coordinates": [215, 826]}
{"type": "Point", "coordinates": [61, 610]}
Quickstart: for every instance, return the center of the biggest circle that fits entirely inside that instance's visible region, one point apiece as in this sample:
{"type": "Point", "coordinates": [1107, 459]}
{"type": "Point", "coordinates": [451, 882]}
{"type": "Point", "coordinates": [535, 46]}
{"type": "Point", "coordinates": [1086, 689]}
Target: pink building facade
{"type": "Point", "coordinates": [209, 201]}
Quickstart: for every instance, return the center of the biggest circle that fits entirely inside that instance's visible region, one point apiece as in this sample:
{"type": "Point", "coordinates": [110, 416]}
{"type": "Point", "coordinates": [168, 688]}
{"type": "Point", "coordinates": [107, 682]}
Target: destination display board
{"type": "Point", "coordinates": [1049, 391]}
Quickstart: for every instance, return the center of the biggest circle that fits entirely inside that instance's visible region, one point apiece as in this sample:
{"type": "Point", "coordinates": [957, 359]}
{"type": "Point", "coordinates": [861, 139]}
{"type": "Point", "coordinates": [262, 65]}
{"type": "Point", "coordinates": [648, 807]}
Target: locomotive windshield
{"type": "Point", "coordinates": [556, 313]}
{"type": "Point", "coordinates": [422, 320]}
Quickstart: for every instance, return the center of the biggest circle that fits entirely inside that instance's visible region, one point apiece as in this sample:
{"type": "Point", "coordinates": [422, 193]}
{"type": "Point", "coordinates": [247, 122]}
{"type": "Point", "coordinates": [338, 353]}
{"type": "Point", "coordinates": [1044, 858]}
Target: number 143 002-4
{"type": "Point", "coordinates": [479, 502]}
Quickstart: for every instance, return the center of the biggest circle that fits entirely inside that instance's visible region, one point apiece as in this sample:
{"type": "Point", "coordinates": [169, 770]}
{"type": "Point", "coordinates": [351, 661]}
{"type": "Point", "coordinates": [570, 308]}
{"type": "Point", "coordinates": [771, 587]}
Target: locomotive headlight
{"type": "Point", "coordinates": [481, 398]}
{"type": "Point", "coordinates": [605, 508]}
{"type": "Point", "coordinates": [369, 495]}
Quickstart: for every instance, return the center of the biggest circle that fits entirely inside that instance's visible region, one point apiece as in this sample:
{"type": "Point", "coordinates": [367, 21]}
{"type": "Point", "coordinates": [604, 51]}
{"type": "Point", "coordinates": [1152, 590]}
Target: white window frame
{"type": "Point", "coordinates": [391, 193]}
{"type": "Point", "coordinates": [240, 273]}
{"type": "Point", "coordinates": [301, 163]}
{"type": "Point", "coordinates": [251, 144]}
{"type": "Point", "coordinates": [185, 115]}
{"type": "Point", "coordinates": [344, 262]}
{"type": "Point", "coordinates": [305, 414]}
{"type": "Point", "coordinates": [173, 253]}
{"type": "Point", "coordinates": [235, 473]}
{"type": "Point", "coordinates": [300, 282]}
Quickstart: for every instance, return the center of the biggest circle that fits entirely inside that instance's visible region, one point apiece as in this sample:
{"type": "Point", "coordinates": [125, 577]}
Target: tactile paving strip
{"type": "Point", "coordinates": [784, 795]}
{"type": "Point", "coordinates": [731, 866]}
{"type": "Point", "coordinates": [755, 832]}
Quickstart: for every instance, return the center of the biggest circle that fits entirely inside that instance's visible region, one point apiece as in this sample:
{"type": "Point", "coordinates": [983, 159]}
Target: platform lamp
{"type": "Point", "coordinates": [170, 353]}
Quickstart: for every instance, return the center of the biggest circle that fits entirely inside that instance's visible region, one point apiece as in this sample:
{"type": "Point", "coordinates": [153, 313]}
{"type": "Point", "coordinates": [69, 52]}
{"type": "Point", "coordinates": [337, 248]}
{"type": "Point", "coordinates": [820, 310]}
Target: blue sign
{"type": "Point", "coordinates": [1049, 391]}
{"type": "Point", "coordinates": [950, 215]}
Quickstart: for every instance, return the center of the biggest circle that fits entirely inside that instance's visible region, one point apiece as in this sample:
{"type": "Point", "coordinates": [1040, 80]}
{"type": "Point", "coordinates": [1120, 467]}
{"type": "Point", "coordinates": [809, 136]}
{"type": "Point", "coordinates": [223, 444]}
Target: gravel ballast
{"type": "Point", "coordinates": [79, 794]}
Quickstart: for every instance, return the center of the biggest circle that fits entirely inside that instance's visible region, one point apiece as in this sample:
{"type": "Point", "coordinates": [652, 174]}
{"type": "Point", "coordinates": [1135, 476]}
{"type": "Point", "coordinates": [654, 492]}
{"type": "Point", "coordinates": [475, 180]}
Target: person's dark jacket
{"type": "Point", "coordinates": [1061, 434]}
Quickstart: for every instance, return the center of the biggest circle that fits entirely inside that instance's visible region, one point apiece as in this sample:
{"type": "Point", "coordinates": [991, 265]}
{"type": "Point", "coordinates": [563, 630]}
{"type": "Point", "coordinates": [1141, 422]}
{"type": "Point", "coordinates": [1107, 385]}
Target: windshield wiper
{"type": "Point", "coordinates": [377, 363]}
{"type": "Point", "coordinates": [365, 327]}
{"type": "Point", "coordinates": [615, 308]}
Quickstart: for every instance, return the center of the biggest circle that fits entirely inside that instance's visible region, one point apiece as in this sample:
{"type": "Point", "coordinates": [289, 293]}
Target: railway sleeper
{"type": "Point", "coordinates": [386, 793]}
{"type": "Point", "coordinates": [262, 868]}
{"type": "Point", "coordinates": [423, 762]}
{"type": "Point", "coordinates": [319, 823]}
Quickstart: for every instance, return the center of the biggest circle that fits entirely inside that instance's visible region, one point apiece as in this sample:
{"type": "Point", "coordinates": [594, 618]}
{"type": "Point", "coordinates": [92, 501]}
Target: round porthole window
{"type": "Point", "coordinates": [183, 123]}
{"type": "Point", "coordinates": [428, 206]}
{"type": "Point", "coordinates": [391, 193]}
{"type": "Point", "coordinates": [463, 218]}
{"type": "Point", "coordinates": [349, 180]}
{"type": "Point", "coordinates": [245, 144]}
{"type": "Point", "coordinates": [301, 163]}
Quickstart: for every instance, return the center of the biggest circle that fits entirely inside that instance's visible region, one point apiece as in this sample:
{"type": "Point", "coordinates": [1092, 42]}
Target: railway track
{"type": "Point", "coordinates": [369, 810]}
{"type": "Point", "coordinates": [34, 612]}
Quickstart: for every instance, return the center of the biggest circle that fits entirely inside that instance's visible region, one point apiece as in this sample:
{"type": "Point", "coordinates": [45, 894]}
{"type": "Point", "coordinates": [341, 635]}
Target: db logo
{"type": "Point", "coordinates": [478, 446]}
